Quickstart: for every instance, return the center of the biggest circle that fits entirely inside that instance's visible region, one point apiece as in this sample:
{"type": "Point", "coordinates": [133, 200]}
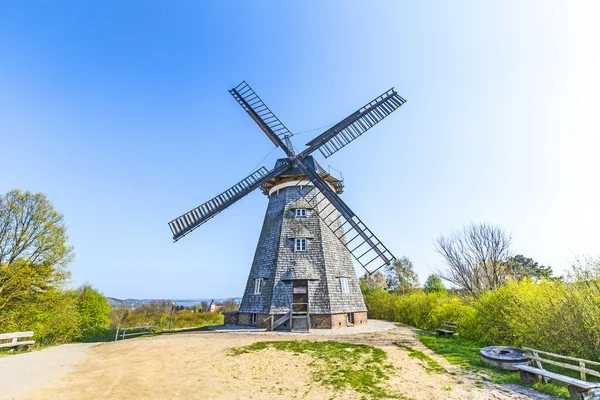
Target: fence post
{"type": "Point", "coordinates": [117, 334]}
{"type": "Point", "coordinates": [582, 365]}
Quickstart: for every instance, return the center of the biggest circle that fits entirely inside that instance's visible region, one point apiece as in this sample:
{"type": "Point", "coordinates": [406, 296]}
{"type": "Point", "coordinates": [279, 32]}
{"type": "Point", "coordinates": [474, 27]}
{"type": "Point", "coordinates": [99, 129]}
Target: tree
{"type": "Point", "coordinates": [401, 276]}
{"type": "Point", "coordinates": [204, 306]}
{"type": "Point", "coordinates": [93, 308]}
{"type": "Point", "coordinates": [33, 249]}
{"type": "Point", "coordinates": [373, 281]}
{"type": "Point", "coordinates": [434, 284]}
{"type": "Point", "coordinates": [523, 267]}
{"type": "Point", "coordinates": [230, 305]}
{"type": "Point", "coordinates": [476, 257]}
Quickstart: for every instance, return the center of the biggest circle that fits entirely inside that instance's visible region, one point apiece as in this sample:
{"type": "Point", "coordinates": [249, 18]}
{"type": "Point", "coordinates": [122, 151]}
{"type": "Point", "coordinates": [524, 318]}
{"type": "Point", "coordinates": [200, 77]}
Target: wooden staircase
{"type": "Point", "coordinates": [300, 320]}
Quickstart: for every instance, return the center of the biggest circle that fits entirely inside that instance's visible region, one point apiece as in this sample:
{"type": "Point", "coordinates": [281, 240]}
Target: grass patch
{"type": "Point", "coordinates": [465, 354]}
{"type": "Point", "coordinates": [430, 364]}
{"type": "Point", "coordinates": [341, 366]}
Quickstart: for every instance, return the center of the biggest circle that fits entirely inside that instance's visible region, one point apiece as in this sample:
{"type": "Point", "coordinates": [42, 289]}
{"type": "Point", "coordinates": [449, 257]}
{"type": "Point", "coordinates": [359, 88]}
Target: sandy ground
{"type": "Point", "coordinates": [196, 366]}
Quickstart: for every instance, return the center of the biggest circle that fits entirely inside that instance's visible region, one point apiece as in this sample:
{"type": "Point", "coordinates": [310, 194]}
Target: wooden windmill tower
{"type": "Point", "coordinates": [302, 275]}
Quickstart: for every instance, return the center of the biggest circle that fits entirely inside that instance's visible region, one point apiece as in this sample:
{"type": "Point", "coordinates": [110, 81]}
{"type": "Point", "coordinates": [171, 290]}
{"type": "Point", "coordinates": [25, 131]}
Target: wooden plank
{"type": "Point", "coordinates": [563, 357]}
{"type": "Point", "coordinates": [17, 344]}
{"type": "Point", "coordinates": [539, 365]}
{"type": "Point", "coordinates": [5, 336]}
{"type": "Point", "coordinates": [564, 365]}
{"type": "Point", "coordinates": [558, 377]}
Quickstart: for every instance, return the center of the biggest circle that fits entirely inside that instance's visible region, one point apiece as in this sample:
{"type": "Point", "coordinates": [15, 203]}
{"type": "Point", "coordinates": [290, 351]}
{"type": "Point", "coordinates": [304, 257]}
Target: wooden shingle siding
{"type": "Point", "coordinates": [322, 264]}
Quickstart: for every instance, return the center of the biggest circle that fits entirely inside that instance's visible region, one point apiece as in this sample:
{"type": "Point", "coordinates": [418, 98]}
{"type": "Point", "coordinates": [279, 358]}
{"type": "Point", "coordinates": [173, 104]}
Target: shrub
{"type": "Point", "coordinates": [93, 308]}
{"type": "Point", "coordinates": [552, 315]}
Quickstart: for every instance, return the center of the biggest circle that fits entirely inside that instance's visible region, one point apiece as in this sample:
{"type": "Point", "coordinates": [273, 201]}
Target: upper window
{"type": "Point", "coordinates": [300, 244]}
{"type": "Point", "coordinates": [344, 284]}
{"type": "Point", "coordinates": [258, 283]}
{"type": "Point", "coordinates": [300, 212]}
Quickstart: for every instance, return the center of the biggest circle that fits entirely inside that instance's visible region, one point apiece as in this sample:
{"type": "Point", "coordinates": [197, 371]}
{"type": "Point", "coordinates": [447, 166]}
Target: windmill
{"type": "Point", "coordinates": [302, 275]}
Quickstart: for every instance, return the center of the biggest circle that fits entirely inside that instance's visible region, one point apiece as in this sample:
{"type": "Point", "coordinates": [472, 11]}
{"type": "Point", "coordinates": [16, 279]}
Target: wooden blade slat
{"type": "Point", "coordinates": [192, 219]}
{"type": "Point", "coordinates": [349, 129]}
{"type": "Point", "coordinates": [261, 114]}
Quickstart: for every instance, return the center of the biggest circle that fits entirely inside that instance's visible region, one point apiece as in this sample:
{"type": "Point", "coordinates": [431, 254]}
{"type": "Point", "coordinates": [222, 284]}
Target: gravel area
{"type": "Point", "coordinates": [373, 325]}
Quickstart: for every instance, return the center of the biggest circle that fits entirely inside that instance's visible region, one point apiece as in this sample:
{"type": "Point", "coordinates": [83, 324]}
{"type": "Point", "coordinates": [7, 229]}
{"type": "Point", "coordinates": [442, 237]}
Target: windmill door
{"type": "Point", "coordinates": [300, 316]}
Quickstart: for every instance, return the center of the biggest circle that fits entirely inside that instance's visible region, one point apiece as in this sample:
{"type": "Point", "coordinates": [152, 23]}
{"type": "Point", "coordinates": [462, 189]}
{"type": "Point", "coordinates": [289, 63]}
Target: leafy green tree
{"type": "Point", "coordinates": [373, 281]}
{"type": "Point", "coordinates": [33, 247]}
{"type": "Point", "coordinates": [93, 308]}
{"type": "Point", "coordinates": [524, 267]}
{"type": "Point", "coordinates": [433, 284]}
{"type": "Point", "coordinates": [401, 276]}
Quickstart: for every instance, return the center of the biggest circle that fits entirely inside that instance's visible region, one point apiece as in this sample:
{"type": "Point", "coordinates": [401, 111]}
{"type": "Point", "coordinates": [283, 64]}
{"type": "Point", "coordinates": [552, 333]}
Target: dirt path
{"type": "Point", "coordinates": [22, 373]}
{"type": "Point", "coordinates": [196, 366]}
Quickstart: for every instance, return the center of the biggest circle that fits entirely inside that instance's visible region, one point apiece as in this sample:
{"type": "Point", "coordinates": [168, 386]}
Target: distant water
{"type": "Point", "coordinates": [190, 302]}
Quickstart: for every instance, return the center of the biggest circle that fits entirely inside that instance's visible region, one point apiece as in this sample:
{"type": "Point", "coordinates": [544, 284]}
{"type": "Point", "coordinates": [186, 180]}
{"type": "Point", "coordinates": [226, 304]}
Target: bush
{"type": "Point", "coordinates": [93, 308]}
{"type": "Point", "coordinates": [158, 314]}
{"type": "Point", "coordinates": [552, 315]}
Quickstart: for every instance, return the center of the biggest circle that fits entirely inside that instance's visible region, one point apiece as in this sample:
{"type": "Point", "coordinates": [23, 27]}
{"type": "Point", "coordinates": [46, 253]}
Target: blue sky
{"type": "Point", "coordinates": [119, 113]}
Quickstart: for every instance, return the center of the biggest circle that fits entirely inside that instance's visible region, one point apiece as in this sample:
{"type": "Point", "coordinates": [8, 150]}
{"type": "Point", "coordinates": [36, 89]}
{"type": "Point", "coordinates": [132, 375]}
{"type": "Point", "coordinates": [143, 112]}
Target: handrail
{"type": "Point", "coordinates": [563, 357]}
{"type": "Point", "coordinates": [124, 330]}
{"type": "Point", "coordinates": [580, 368]}
{"type": "Point", "coordinates": [565, 365]}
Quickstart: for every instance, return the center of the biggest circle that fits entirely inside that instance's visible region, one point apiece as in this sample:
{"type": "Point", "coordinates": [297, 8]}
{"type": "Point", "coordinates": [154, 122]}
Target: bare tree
{"type": "Point", "coordinates": [476, 257]}
{"type": "Point", "coordinates": [374, 281]}
{"type": "Point", "coordinates": [230, 305]}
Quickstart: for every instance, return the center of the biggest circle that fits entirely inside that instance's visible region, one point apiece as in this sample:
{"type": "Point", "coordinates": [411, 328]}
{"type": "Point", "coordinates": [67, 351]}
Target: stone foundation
{"type": "Point", "coordinates": [246, 319]}
{"type": "Point", "coordinates": [231, 318]}
{"type": "Point", "coordinates": [341, 320]}
{"type": "Point", "coordinates": [317, 321]}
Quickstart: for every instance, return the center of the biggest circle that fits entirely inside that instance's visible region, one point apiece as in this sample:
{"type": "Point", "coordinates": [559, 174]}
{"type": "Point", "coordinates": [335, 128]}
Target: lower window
{"type": "Point", "coordinates": [254, 319]}
{"type": "Point", "coordinates": [350, 318]}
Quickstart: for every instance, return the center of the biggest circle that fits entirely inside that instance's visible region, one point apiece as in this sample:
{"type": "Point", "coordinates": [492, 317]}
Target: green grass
{"type": "Point", "coordinates": [430, 364]}
{"type": "Point", "coordinates": [340, 366]}
{"type": "Point", "coordinates": [465, 354]}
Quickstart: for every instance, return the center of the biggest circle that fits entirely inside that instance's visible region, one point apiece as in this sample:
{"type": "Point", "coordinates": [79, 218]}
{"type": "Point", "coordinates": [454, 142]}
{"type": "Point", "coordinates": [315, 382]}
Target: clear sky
{"type": "Point", "coordinates": [119, 113]}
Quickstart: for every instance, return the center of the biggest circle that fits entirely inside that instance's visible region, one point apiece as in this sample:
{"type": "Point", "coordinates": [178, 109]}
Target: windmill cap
{"type": "Point", "coordinates": [295, 174]}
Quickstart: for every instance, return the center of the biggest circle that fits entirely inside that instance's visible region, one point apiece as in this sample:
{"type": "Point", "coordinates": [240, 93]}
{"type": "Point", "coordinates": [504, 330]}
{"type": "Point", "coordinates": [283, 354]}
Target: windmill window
{"type": "Point", "coordinates": [350, 318]}
{"type": "Point", "coordinates": [254, 319]}
{"type": "Point", "coordinates": [258, 283]}
{"type": "Point", "coordinates": [300, 212]}
{"type": "Point", "coordinates": [344, 285]}
{"type": "Point", "coordinates": [300, 244]}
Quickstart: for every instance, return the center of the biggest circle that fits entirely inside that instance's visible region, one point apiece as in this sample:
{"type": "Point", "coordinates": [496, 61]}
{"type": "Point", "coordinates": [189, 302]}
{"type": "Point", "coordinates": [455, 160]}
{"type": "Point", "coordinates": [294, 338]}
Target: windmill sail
{"type": "Point", "coordinates": [355, 125]}
{"type": "Point", "coordinates": [364, 246]}
{"type": "Point", "coordinates": [260, 113]}
{"type": "Point", "coordinates": [189, 221]}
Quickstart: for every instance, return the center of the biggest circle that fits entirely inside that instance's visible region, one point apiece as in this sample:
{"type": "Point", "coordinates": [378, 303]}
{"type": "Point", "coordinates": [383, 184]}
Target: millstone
{"type": "Point", "coordinates": [504, 357]}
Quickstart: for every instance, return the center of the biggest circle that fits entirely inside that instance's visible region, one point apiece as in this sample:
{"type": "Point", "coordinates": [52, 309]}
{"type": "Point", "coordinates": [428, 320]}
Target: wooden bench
{"type": "Point", "coordinates": [577, 387]}
{"type": "Point", "coordinates": [14, 340]}
{"type": "Point", "coordinates": [448, 329]}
